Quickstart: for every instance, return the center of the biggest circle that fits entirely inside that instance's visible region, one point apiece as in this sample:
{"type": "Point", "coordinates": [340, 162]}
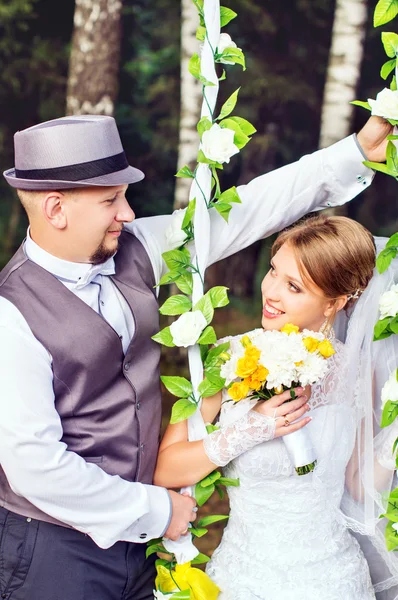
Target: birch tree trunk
{"type": "Point", "coordinates": [94, 60]}
{"type": "Point", "coordinates": [191, 99]}
{"type": "Point", "coordinates": [344, 69]}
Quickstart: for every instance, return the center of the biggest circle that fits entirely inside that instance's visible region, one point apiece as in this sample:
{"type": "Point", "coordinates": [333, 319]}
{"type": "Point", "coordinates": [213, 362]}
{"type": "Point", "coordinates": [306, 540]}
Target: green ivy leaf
{"type": "Point", "coordinates": [385, 258]}
{"type": "Point", "coordinates": [200, 559]}
{"type": "Point", "coordinates": [198, 531]}
{"type": "Point", "coordinates": [394, 325]}
{"type": "Point", "coordinates": [233, 55]}
{"type": "Point", "coordinates": [245, 125]}
{"type": "Point", "coordinates": [202, 158]}
{"type": "Point", "coordinates": [164, 337]}
{"type": "Point", "coordinates": [178, 386]}
{"type": "Point", "coordinates": [229, 105]}
{"type": "Point", "coordinates": [214, 353]}
{"type": "Point", "coordinates": [218, 295]}
{"type": "Point", "coordinates": [362, 104]}
{"type": "Point", "coordinates": [393, 241]}
{"type": "Point", "coordinates": [185, 283]}
{"type": "Point", "coordinates": [230, 195]}
{"type": "Point", "coordinates": [382, 168]}
{"type": "Point", "coordinates": [210, 386]}
{"type": "Point", "coordinates": [195, 70]}
{"type": "Point", "coordinates": [393, 84]}
{"type": "Point", "coordinates": [390, 412]}
{"type": "Point", "coordinates": [185, 172]}
{"type": "Point", "coordinates": [201, 33]}
{"type": "Point", "coordinates": [202, 494]}
{"type": "Point", "coordinates": [189, 213]}
{"type": "Point", "coordinates": [205, 521]}
{"type": "Point", "coordinates": [380, 328]}
{"type": "Point", "coordinates": [391, 158]}
{"type": "Point", "coordinates": [223, 76]}
{"type": "Point", "coordinates": [223, 209]}
{"type": "Point", "coordinates": [385, 11]}
{"type": "Point", "coordinates": [155, 548]}
{"type": "Point", "coordinates": [182, 409]}
{"type": "Point", "coordinates": [390, 43]}
{"type": "Point", "coordinates": [206, 308]}
{"type": "Point", "coordinates": [176, 305]}
{"type": "Point", "coordinates": [176, 259]}
{"type": "Point", "coordinates": [208, 336]}
{"type": "Point", "coordinates": [228, 482]}
{"type": "Point", "coordinates": [204, 125]}
{"type": "Point", "coordinates": [226, 15]}
{"type": "Point", "coordinates": [391, 537]}
{"type": "Point", "coordinates": [387, 68]}
{"type": "Point", "coordinates": [169, 277]}
{"type": "Point", "coordinates": [240, 138]}
{"type": "Point", "coordinates": [210, 479]}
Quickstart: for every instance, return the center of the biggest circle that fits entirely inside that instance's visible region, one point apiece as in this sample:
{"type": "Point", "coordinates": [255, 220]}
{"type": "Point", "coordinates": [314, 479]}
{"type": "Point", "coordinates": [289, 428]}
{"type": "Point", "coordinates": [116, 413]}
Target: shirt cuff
{"type": "Point", "coordinates": [155, 522]}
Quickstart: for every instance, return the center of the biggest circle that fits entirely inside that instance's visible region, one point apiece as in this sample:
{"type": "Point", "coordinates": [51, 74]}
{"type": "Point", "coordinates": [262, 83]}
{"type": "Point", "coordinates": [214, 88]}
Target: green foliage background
{"type": "Point", "coordinates": [286, 46]}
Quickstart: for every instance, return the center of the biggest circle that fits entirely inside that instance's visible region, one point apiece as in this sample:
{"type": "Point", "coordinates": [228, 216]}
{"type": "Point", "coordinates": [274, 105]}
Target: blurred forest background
{"type": "Point", "coordinates": [124, 58]}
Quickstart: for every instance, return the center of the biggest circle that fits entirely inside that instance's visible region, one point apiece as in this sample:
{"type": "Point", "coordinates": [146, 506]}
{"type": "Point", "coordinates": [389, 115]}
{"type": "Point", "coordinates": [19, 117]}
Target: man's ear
{"type": "Point", "coordinates": [335, 306]}
{"type": "Point", "coordinates": [53, 207]}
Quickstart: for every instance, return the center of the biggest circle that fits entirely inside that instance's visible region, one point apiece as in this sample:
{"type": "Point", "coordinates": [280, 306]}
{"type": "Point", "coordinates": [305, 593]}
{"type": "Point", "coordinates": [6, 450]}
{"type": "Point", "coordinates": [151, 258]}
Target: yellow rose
{"type": "Point", "coordinates": [261, 373]}
{"type": "Point", "coordinates": [246, 366]}
{"type": "Point", "coordinates": [290, 328]}
{"type": "Point", "coordinates": [252, 352]}
{"type": "Point", "coordinates": [238, 391]}
{"type": "Point", "coordinates": [278, 389]}
{"type": "Point", "coordinates": [311, 344]}
{"type": "Point", "coordinates": [200, 586]}
{"type": "Point", "coordinates": [253, 383]}
{"type": "Point", "coordinates": [246, 341]}
{"type": "Point", "coordinates": [326, 349]}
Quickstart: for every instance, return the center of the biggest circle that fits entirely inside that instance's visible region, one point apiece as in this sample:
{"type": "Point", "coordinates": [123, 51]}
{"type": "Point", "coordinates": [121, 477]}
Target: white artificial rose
{"type": "Point", "coordinates": [225, 42]}
{"type": "Point", "coordinates": [187, 329]}
{"type": "Point", "coordinates": [218, 144]}
{"type": "Point", "coordinates": [390, 389]}
{"type": "Point", "coordinates": [386, 104]}
{"type": "Point", "coordinates": [389, 302]}
{"type": "Point", "coordinates": [175, 236]}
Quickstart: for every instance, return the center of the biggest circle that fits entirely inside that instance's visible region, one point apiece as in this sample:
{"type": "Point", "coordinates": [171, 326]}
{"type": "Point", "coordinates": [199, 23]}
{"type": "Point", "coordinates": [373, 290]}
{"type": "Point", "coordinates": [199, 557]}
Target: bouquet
{"type": "Point", "coordinates": [266, 363]}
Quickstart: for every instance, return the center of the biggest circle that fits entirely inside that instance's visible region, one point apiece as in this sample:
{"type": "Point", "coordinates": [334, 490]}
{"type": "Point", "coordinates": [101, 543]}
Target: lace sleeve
{"type": "Point", "coordinates": [331, 389]}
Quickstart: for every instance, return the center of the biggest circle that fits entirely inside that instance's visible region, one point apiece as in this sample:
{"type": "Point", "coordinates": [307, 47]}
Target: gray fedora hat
{"type": "Point", "coordinates": [71, 152]}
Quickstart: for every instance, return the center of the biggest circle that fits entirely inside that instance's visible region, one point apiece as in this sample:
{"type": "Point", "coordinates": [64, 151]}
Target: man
{"type": "Point", "coordinates": [80, 399]}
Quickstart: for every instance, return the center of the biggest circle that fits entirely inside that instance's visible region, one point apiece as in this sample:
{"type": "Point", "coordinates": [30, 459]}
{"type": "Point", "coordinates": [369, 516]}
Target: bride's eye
{"type": "Point", "coordinates": [272, 269]}
{"type": "Point", "coordinates": [293, 287]}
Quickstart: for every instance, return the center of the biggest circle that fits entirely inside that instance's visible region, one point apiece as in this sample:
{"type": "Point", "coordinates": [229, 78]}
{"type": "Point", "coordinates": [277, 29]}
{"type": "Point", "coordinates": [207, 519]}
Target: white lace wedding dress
{"type": "Point", "coordinates": [286, 537]}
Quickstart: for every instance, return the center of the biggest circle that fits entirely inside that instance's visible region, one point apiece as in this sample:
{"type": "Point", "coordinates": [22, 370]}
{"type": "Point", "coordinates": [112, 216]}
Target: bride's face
{"type": "Point", "coordinates": [288, 299]}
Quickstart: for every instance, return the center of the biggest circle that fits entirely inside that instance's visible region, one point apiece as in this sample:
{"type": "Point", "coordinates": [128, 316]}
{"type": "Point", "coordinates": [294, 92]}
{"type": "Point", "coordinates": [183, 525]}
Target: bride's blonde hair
{"type": "Point", "coordinates": [336, 253]}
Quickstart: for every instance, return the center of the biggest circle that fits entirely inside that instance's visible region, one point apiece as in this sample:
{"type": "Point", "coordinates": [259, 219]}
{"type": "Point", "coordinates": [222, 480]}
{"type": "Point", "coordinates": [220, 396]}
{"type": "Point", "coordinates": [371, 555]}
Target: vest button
{"type": "Point", "coordinates": [138, 406]}
{"type": "Point", "coordinates": [142, 537]}
{"type": "Point", "coordinates": [126, 366]}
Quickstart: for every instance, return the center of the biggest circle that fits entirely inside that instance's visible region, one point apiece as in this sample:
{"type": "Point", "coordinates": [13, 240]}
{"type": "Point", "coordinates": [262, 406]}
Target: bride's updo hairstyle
{"type": "Point", "coordinates": [336, 253]}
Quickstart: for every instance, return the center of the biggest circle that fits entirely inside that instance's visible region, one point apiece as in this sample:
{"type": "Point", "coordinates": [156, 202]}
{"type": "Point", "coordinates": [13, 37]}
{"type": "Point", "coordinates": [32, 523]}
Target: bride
{"type": "Point", "coordinates": [287, 538]}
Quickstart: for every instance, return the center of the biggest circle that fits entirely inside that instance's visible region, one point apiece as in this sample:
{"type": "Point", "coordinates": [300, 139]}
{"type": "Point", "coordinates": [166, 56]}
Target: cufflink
{"type": "Point", "coordinates": [143, 536]}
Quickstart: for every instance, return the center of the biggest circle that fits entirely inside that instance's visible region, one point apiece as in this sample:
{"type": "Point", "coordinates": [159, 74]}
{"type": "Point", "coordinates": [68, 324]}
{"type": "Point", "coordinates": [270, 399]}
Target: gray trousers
{"type": "Point", "coordinates": [40, 561]}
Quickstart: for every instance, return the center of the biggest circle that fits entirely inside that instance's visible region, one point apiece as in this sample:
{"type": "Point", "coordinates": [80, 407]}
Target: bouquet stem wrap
{"type": "Point", "coordinates": [301, 451]}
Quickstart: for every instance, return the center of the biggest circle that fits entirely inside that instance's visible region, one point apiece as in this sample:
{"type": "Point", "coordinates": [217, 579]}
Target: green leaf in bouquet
{"type": "Point", "coordinates": [162, 562]}
{"type": "Point", "coordinates": [394, 325]}
{"type": "Point", "coordinates": [189, 213]}
{"type": "Point", "coordinates": [200, 559]}
{"type": "Point", "coordinates": [393, 241]}
{"type": "Point", "coordinates": [362, 104]}
{"type": "Point", "coordinates": [385, 258]}
{"type": "Point", "coordinates": [245, 125]}
{"type": "Point", "coordinates": [229, 482]}
{"type": "Point", "coordinates": [233, 55]}
{"type": "Point", "coordinates": [202, 494]}
{"type": "Point", "coordinates": [229, 105]}
{"type": "Point", "coordinates": [185, 282]}
{"type": "Point", "coordinates": [381, 329]}
{"type": "Point", "coordinates": [385, 11]}
{"type": "Point", "coordinates": [185, 172]}
{"type": "Point", "coordinates": [226, 15]}
{"type": "Point", "coordinates": [240, 138]}
{"type": "Point", "coordinates": [206, 308]}
{"type": "Point", "coordinates": [210, 479]}
{"type": "Point", "coordinates": [153, 549]}
{"type": "Point", "coordinates": [176, 305]}
{"type": "Point", "coordinates": [381, 167]}
{"type": "Point", "coordinates": [395, 446]}
{"type": "Point", "coordinates": [164, 337]}
{"type": "Point", "coordinates": [177, 259]}
{"type": "Point", "coordinates": [212, 358]}
{"type": "Point", "coordinates": [390, 413]}
{"type": "Point", "coordinates": [223, 209]}
{"type": "Point", "coordinates": [201, 33]}
{"type": "Point", "coordinates": [219, 491]}
{"type": "Point", "coordinates": [181, 595]}
{"type": "Point", "coordinates": [204, 125]}
{"type": "Point", "coordinates": [205, 521]}
{"type": "Point", "coordinates": [209, 387]}
{"type": "Point", "coordinates": [390, 43]}
{"type": "Point", "coordinates": [218, 296]}
{"type": "Point", "coordinates": [208, 336]}
{"type": "Point", "coordinates": [178, 386]}
{"type": "Point", "coordinates": [182, 409]}
{"type": "Point", "coordinates": [391, 537]}
{"type": "Point", "coordinates": [393, 84]}
{"type": "Point", "coordinates": [387, 68]}
{"type": "Point", "coordinates": [198, 531]}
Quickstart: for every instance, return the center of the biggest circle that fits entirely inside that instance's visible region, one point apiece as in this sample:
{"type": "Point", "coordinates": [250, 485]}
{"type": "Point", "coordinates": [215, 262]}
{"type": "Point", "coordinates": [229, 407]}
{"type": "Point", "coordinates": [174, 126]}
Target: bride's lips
{"type": "Point", "coordinates": [267, 308]}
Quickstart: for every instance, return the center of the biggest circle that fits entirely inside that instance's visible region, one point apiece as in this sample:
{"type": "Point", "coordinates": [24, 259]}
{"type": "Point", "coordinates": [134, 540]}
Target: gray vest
{"type": "Point", "coordinates": [109, 404]}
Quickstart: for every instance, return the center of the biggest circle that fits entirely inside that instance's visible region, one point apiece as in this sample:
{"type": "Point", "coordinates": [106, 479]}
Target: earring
{"type": "Point", "coordinates": [327, 329]}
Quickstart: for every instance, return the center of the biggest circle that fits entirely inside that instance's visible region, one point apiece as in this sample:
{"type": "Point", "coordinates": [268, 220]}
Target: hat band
{"type": "Point", "coordinates": [79, 172]}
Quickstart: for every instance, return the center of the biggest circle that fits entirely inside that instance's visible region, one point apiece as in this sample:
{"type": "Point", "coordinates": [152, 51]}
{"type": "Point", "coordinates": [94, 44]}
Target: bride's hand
{"type": "Point", "coordinates": [286, 413]}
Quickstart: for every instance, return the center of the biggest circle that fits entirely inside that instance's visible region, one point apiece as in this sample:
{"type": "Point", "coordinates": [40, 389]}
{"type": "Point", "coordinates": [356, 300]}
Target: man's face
{"type": "Point", "coordinates": [95, 218]}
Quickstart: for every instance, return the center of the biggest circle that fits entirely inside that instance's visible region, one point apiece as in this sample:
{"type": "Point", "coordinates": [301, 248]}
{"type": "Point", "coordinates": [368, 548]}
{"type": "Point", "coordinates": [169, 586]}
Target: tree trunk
{"type": "Point", "coordinates": [94, 60]}
{"type": "Point", "coordinates": [344, 69]}
{"type": "Point", "coordinates": [191, 100]}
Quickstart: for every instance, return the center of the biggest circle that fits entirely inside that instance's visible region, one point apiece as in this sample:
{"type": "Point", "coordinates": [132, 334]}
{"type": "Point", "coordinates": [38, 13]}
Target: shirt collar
{"type": "Point", "coordinates": [79, 273]}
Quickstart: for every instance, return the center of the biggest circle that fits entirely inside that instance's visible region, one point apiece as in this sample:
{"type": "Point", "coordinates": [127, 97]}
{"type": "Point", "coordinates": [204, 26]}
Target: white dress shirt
{"type": "Point", "coordinates": [37, 464]}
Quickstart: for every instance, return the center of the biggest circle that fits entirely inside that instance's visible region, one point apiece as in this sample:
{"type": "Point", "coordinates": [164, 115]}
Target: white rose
{"type": "Point", "coordinates": [187, 329]}
{"type": "Point", "coordinates": [389, 302]}
{"type": "Point", "coordinates": [225, 42]}
{"type": "Point", "coordinates": [386, 104]}
{"type": "Point", "coordinates": [218, 144]}
{"type": "Point", "coordinates": [175, 236]}
{"type": "Point", "coordinates": [390, 389]}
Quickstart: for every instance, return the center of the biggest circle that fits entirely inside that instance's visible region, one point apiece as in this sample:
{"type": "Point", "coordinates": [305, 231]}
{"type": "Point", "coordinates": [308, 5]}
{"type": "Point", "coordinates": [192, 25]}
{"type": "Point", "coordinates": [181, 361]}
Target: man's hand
{"type": "Point", "coordinates": [182, 515]}
{"type": "Point", "coordinates": [372, 138]}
